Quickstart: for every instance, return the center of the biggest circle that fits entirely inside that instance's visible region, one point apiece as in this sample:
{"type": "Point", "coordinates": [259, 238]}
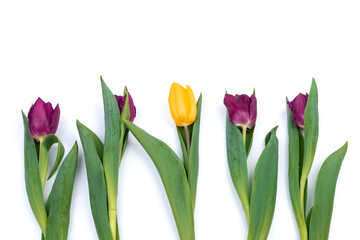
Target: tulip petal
{"type": "Point", "coordinates": [191, 107]}
{"type": "Point", "coordinates": [178, 103]}
{"type": "Point", "coordinates": [253, 111]}
{"type": "Point", "coordinates": [236, 115]}
{"type": "Point", "coordinates": [54, 119]}
{"type": "Point", "coordinates": [43, 120]}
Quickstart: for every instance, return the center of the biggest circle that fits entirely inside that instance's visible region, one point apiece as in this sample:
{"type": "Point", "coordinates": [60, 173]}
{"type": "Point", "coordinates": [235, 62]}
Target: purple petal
{"type": "Point", "coordinates": [54, 119]}
{"type": "Point", "coordinates": [237, 115]}
{"type": "Point", "coordinates": [121, 102]}
{"type": "Point", "coordinates": [132, 108]}
{"type": "Point", "coordinates": [297, 107]}
{"type": "Point", "coordinates": [38, 121]}
{"type": "Point", "coordinates": [253, 111]}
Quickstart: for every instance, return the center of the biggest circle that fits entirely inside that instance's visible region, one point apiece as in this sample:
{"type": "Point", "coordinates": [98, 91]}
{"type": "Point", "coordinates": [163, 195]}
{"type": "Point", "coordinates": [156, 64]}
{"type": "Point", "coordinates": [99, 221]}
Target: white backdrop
{"type": "Point", "coordinates": [58, 50]}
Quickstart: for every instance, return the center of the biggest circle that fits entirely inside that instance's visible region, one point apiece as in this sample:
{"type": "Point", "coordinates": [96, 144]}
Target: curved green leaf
{"type": "Point", "coordinates": [111, 155]}
{"type": "Point", "coordinates": [125, 115]}
{"type": "Point", "coordinates": [249, 139]}
{"type": "Point", "coordinates": [263, 195]}
{"type": "Point", "coordinates": [295, 165]}
{"type": "Point", "coordinates": [98, 144]}
{"type": "Point", "coordinates": [237, 160]}
{"type": "Point", "coordinates": [182, 140]}
{"type": "Point", "coordinates": [96, 181]}
{"type": "Point", "coordinates": [48, 142]}
{"type": "Point", "coordinates": [193, 169]}
{"type": "Point", "coordinates": [324, 195]}
{"type": "Point", "coordinates": [34, 188]}
{"type": "Point", "coordinates": [311, 129]}
{"type": "Point", "coordinates": [59, 200]}
{"type": "Point", "coordinates": [173, 176]}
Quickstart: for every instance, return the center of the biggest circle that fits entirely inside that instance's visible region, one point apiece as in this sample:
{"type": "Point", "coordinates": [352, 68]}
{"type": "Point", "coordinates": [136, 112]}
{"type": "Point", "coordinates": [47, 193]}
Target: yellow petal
{"type": "Point", "coordinates": [182, 105]}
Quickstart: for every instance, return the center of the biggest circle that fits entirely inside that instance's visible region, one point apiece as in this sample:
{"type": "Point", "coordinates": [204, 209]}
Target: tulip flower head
{"type": "Point", "coordinates": [43, 119]}
{"type": "Point", "coordinates": [182, 105]}
{"type": "Point", "coordinates": [121, 102]}
{"type": "Point", "coordinates": [242, 110]}
{"type": "Point", "coordinates": [297, 107]}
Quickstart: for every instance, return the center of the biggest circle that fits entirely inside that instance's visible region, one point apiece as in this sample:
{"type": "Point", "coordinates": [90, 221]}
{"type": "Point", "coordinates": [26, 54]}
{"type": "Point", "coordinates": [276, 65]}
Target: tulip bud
{"type": "Point", "coordinates": [182, 105]}
{"type": "Point", "coordinates": [43, 119]}
{"type": "Point", "coordinates": [297, 107]}
{"type": "Point", "coordinates": [121, 102]}
{"type": "Point", "coordinates": [242, 109]}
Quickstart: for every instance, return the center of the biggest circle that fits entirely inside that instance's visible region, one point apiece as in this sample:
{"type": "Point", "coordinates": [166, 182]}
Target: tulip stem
{"type": "Point", "coordinates": [244, 134]}
{"type": "Point", "coordinates": [187, 140]}
{"type": "Point", "coordinates": [43, 162]}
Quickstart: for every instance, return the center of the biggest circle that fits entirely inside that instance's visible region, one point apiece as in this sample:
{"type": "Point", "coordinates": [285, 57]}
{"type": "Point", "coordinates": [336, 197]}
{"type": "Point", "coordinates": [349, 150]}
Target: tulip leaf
{"type": "Point", "coordinates": [237, 160]}
{"type": "Point", "coordinates": [324, 195]}
{"type": "Point", "coordinates": [263, 197]}
{"type": "Point", "coordinates": [311, 129]}
{"type": "Point", "coordinates": [48, 142]}
{"type": "Point", "coordinates": [98, 144]}
{"type": "Point", "coordinates": [111, 155]}
{"type": "Point", "coordinates": [173, 176]}
{"type": "Point", "coordinates": [59, 201]}
{"type": "Point", "coordinates": [96, 181]}
{"type": "Point", "coordinates": [193, 169]}
{"type": "Point", "coordinates": [125, 115]}
{"type": "Point", "coordinates": [34, 188]}
{"type": "Point", "coordinates": [249, 139]}
{"type": "Point", "coordinates": [182, 140]}
{"type": "Point", "coordinates": [295, 165]}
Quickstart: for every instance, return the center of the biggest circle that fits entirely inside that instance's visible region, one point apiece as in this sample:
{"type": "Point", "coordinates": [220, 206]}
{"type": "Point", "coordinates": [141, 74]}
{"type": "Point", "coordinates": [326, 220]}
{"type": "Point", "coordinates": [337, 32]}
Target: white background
{"type": "Point", "coordinates": [58, 50]}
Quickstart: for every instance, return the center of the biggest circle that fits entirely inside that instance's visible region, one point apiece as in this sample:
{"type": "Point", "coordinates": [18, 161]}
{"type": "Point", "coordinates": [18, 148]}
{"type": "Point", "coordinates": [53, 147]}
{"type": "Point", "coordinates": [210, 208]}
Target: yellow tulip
{"type": "Point", "coordinates": [182, 105]}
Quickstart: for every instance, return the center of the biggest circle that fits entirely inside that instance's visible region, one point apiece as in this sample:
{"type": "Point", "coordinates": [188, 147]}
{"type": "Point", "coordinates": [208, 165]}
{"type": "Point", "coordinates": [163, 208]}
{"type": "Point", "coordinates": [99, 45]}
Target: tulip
{"type": "Point", "coordinates": [43, 119]}
{"type": "Point", "coordinates": [182, 105]}
{"type": "Point", "coordinates": [297, 107]}
{"type": "Point", "coordinates": [121, 102]}
{"type": "Point", "coordinates": [242, 110]}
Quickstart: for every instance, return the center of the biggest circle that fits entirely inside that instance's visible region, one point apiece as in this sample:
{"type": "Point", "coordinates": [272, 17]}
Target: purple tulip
{"type": "Point", "coordinates": [121, 102]}
{"type": "Point", "coordinates": [43, 119]}
{"type": "Point", "coordinates": [297, 107]}
{"type": "Point", "coordinates": [242, 109]}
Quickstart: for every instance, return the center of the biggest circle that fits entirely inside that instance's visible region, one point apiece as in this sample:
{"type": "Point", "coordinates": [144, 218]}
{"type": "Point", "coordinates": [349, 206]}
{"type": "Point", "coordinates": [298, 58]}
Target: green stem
{"type": "Point", "coordinates": [187, 142]}
{"type": "Point", "coordinates": [302, 227]}
{"type": "Point", "coordinates": [245, 204]}
{"type": "Point", "coordinates": [246, 208]}
{"type": "Point", "coordinates": [302, 192]}
{"type": "Point", "coordinates": [112, 217]}
{"type": "Point", "coordinates": [244, 128]}
{"type": "Point", "coordinates": [303, 231]}
{"type": "Point", "coordinates": [121, 143]}
{"type": "Point", "coordinates": [43, 162]}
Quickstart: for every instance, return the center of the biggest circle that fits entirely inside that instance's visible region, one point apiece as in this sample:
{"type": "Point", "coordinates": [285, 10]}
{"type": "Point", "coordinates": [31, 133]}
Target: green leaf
{"type": "Point", "coordinates": [59, 200]}
{"type": "Point", "coordinates": [98, 144]}
{"type": "Point", "coordinates": [44, 146]}
{"type": "Point", "coordinates": [96, 181]}
{"type": "Point", "coordinates": [48, 142]}
{"type": "Point", "coordinates": [295, 165]}
{"type": "Point", "coordinates": [263, 195]}
{"type": "Point", "coordinates": [193, 169]}
{"type": "Point", "coordinates": [308, 218]}
{"type": "Point", "coordinates": [311, 129]}
{"type": "Point", "coordinates": [182, 140]}
{"type": "Point", "coordinates": [173, 176]}
{"type": "Point", "coordinates": [111, 155]}
{"type": "Point", "coordinates": [324, 195]}
{"type": "Point", "coordinates": [34, 188]}
{"type": "Point", "coordinates": [249, 139]}
{"type": "Point", "coordinates": [237, 160]}
{"type": "Point", "coordinates": [125, 115]}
